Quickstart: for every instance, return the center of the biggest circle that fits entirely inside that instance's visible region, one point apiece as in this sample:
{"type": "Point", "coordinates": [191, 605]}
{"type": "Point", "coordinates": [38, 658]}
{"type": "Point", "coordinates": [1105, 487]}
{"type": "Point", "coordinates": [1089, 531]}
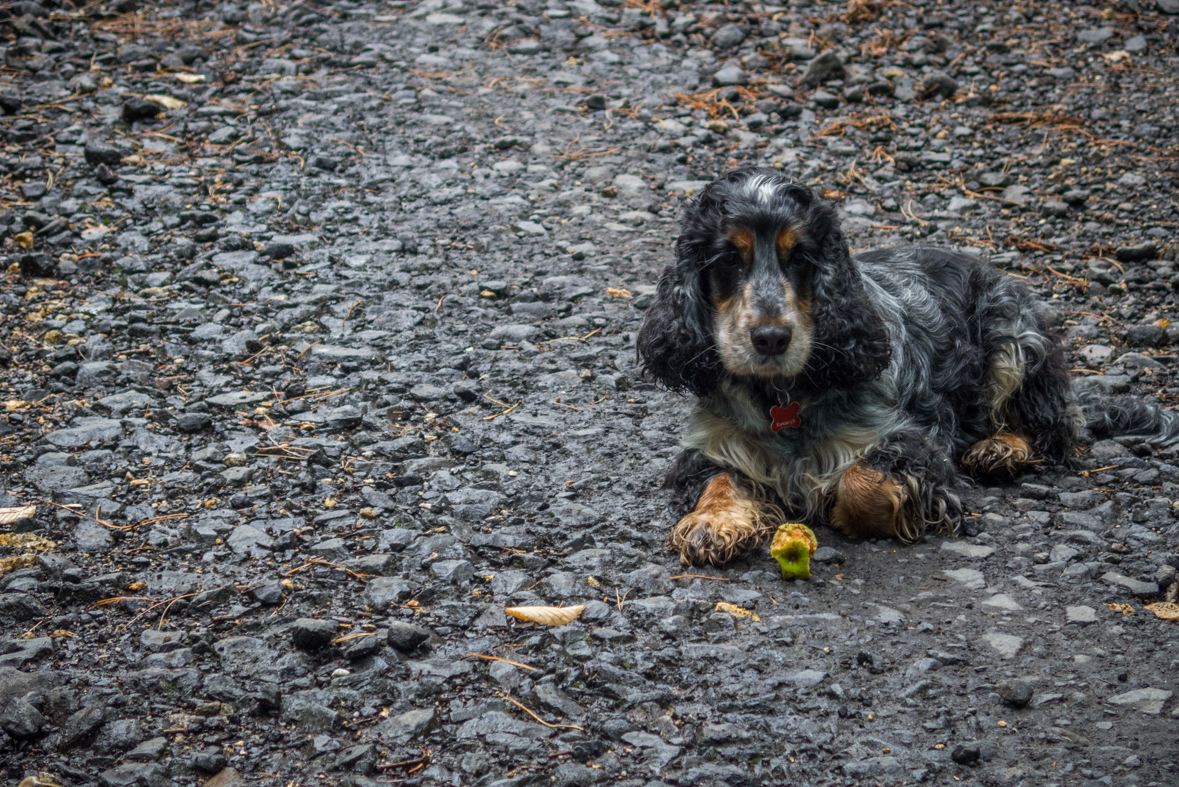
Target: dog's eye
{"type": "Point", "coordinates": [801, 254]}
{"type": "Point", "coordinates": [731, 258]}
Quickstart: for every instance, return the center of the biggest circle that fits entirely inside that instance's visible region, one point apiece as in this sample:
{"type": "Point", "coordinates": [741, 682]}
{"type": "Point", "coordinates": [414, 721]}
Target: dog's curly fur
{"type": "Point", "coordinates": [906, 364]}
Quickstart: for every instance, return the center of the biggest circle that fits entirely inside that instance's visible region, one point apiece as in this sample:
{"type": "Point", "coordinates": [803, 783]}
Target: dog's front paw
{"type": "Point", "coordinates": [871, 504]}
{"type": "Point", "coordinates": [724, 525]}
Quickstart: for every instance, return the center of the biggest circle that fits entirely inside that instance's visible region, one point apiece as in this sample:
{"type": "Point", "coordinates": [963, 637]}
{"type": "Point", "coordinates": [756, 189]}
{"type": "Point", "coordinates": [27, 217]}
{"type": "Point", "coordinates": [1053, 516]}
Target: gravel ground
{"type": "Point", "coordinates": [317, 353]}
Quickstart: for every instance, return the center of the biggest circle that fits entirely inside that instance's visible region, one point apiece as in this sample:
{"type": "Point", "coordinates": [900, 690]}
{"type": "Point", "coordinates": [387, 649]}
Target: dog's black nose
{"type": "Point", "coordinates": [771, 339]}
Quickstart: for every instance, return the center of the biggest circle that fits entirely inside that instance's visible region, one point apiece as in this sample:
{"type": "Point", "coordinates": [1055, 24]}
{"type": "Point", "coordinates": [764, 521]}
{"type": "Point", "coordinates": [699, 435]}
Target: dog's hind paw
{"type": "Point", "coordinates": [999, 458]}
{"type": "Point", "coordinates": [725, 525]}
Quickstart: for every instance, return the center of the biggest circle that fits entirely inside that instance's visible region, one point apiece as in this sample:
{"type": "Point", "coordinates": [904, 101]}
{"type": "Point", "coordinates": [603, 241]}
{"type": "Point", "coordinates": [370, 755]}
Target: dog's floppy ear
{"type": "Point", "coordinates": [850, 343]}
{"type": "Point", "coordinates": [675, 343]}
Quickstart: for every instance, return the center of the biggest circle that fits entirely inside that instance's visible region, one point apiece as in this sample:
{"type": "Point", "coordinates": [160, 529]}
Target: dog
{"type": "Point", "coordinates": [849, 389]}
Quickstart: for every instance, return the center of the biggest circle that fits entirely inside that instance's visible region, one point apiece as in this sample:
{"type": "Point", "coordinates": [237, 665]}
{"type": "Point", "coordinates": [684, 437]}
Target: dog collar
{"type": "Point", "coordinates": [784, 417]}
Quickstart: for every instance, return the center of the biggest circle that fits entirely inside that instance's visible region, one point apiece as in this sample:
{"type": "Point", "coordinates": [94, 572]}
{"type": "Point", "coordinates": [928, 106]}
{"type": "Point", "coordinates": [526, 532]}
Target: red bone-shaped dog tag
{"type": "Point", "coordinates": [784, 417]}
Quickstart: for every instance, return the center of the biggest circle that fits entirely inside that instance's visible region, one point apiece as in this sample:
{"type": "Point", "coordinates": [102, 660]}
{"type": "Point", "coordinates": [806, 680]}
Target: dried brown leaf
{"type": "Point", "coordinates": [26, 541]}
{"type": "Point", "coordinates": [190, 79]}
{"type": "Point", "coordinates": [167, 102]}
{"type": "Point", "coordinates": [10, 564]}
{"type": "Point", "coordinates": [1165, 610]}
{"type": "Point", "coordinates": [547, 616]}
{"type": "Point", "coordinates": [736, 611]}
{"type": "Point", "coordinates": [10, 515]}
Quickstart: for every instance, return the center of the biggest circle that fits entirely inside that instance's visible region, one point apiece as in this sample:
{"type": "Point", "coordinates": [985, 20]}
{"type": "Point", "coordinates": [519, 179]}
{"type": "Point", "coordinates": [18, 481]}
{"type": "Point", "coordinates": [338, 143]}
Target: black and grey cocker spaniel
{"type": "Point", "coordinates": [848, 389]}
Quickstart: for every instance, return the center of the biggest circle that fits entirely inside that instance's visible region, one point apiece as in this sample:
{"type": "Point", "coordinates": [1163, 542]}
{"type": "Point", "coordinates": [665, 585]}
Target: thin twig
{"type": "Point", "coordinates": [497, 658]}
{"type": "Point", "coordinates": [493, 416]}
{"type": "Point", "coordinates": [522, 707]}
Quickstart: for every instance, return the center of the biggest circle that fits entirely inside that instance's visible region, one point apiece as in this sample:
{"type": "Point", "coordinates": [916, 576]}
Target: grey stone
{"type": "Point", "coordinates": [406, 637]}
{"type": "Point", "coordinates": [530, 228]}
{"type": "Point", "coordinates": [427, 393]}
{"type": "Point", "coordinates": [382, 592]}
{"type": "Point", "coordinates": [149, 751]}
{"type": "Point", "coordinates": [1149, 701]}
{"type": "Point", "coordinates": [99, 152]}
{"type": "Point", "coordinates": [20, 720]}
{"type": "Point", "coordinates": [551, 697]}
{"type": "Point", "coordinates": [960, 204]}
{"type": "Point", "coordinates": [1146, 336]}
{"type": "Point", "coordinates": [823, 68]}
{"type": "Point", "coordinates": [827, 555]}
{"type": "Point", "coordinates": [311, 634]}
{"type": "Point", "coordinates": [249, 540]}
{"type": "Point", "coordinates": [825, 100]}
{"type": "Point", "coordinates": [1095, 36]}
{"type": "Point", "coordinates": [95, 374]}
{"type": "Point", "coordinates": [1080, 615]}
{"type": "Point", "coordinates": [996, 180]}
{"type": "Point", "coordinates": [938, 84]}
{"type": "Point", "coordinates": [873, 767]}
{"type": "Point", "coordinates": [136, 774]}
{"type": "Point", "coordinates": [1054, 207]}
{"type": "Point", "coordinates": [1137, 252]}
{"type": "Point", "coordinates": [730, 75]}
{"type": "Point", "coordinates": [81, 725]}
{"type": "Point", "coordinates": [1016, 692]}
{"type": "Point", "coordinates": [236, 399]}
{"type": "Point", "coordinates": [971, 578]}
{"type": "Point", "coordinates": [1016, 195]}
{"type": "Point", "coordinates": [804, 679]}
{"type": "Point", "coordinates": [119, 735]}
{"type": "Point", "coordinates": [310, 710]}
{"type": "Point", "coordinates": [453, 572]}
{"type": "Point", "coordinates": [963, 549]}
{"type": "Point", "coordinates": [1006, 645]}
{"type": "Point", "coordinates": [525, 46]}
{"type": "Point", "coordinates": [86, 431]}
{"type": "Point", "coordinates": [190, 423]}
{"type": "Point", "coordinates": [409, 725]}
{"type": "Point", "coordinates": [1002, 601]}
{"type": "Point", "coordinates": [1061, 553]}
{"type": "Point", "coordinates": [1135, 586]}
{"type": "Point", "coordinates": [966, 753]}
{"type": "Point", "coordinates": [1096, 354]}
{"type": "Point", "coordinates": [729, 36]}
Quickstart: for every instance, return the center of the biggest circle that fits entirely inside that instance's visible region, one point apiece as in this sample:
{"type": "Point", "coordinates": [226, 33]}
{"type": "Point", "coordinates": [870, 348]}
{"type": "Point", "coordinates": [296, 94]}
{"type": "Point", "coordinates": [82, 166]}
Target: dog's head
{"type": "Point", "coordinates": [763, 286]}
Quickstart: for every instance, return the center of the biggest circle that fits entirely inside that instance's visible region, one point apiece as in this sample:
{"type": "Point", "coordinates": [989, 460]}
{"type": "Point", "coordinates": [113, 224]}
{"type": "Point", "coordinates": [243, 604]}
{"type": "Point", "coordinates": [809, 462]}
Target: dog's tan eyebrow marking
{"type": "Point", "coordinates": [786, 240]}
{"type": "Point", "coordinates": [742, 238]}
{"type": "Point", "coordinates": [724, 304]}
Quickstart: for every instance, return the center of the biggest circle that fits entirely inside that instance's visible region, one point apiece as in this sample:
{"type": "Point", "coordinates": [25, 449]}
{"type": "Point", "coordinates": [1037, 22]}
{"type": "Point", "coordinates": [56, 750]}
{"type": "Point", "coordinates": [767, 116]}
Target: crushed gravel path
{"type": "Point", "coordinates": [317, 352]}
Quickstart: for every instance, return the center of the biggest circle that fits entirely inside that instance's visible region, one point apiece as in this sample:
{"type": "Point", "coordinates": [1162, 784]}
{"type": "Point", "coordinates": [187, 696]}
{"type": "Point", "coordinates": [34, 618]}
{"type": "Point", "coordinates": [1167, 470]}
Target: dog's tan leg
{"type": "Point", "coordinates": [869, 504]}
{"type": "Point", "coordinates": [1001, 457]}
{"type": "Point", "coordinates": [726, 523]}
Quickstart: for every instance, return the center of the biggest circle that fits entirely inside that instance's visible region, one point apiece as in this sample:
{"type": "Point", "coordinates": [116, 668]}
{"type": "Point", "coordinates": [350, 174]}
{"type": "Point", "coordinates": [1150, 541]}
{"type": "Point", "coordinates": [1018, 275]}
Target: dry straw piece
{"type": "Point", "coordinates": [547, 616]}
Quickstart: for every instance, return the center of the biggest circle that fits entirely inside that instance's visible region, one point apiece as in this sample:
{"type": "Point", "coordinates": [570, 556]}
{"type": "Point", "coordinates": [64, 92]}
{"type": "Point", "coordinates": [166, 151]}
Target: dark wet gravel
{"type": "Point", "coordinates": [317, 352]}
